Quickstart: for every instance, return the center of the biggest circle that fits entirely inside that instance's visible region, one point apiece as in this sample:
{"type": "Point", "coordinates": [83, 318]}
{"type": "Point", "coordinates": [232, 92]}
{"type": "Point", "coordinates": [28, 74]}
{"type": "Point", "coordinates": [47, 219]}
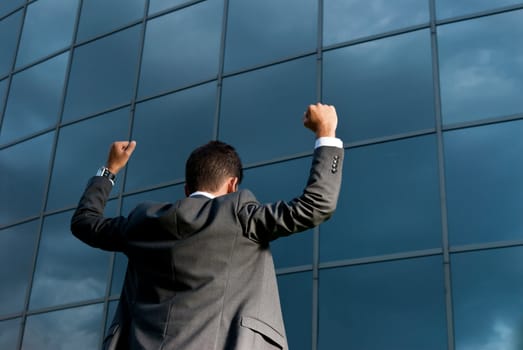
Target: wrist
{"type": "Point", "coordinates": [328, 141]}
{"type": "Point", "coordinates": [106, 172]}
{"type": "Point", "coordinates": [114, 170]}
{"type": "Point", "coordinates": [325, 133]}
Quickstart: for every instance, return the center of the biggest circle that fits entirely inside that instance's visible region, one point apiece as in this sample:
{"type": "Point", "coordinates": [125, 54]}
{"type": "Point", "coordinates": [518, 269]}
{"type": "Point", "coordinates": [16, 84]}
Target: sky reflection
{"type": "Point", "coordinates": [481, 64]}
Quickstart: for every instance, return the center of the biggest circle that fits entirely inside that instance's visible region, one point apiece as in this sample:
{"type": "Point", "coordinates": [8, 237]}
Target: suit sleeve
{"type": "Point", "coordinates": [315, 205]}
{"type": "Point", "coordinates": [88, 223]}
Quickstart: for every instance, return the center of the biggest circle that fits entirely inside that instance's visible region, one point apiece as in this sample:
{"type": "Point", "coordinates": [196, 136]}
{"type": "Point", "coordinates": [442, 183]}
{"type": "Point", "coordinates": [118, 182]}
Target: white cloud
{"type": "Point", "coordinates": [502, 337]}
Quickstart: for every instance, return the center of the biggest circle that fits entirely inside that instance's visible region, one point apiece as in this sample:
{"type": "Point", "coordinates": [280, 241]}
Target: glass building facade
{"type": "Point", "coordinates": [425, 250]}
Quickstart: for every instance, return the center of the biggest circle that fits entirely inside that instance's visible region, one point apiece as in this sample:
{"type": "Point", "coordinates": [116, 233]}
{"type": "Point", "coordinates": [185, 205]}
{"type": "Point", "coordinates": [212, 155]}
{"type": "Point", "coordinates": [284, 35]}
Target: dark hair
{"type": "Point", "coordinates": [209, 165]}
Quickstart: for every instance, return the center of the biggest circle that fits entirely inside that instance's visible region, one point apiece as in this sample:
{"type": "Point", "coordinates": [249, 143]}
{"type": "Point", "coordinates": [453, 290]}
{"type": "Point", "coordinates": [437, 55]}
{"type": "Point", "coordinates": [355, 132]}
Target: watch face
{"type": "Point", "coordinates": [103, 171]}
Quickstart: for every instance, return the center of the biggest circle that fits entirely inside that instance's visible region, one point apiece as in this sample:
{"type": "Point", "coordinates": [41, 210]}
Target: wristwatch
{"type": "Point", "coordinates": [104, 171]}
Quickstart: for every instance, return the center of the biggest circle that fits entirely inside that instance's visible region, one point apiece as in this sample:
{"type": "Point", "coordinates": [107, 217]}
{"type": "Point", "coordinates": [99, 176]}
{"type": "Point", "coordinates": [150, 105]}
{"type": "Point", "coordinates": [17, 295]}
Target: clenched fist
{"type": "Point", "coordinates": [119, 154]}
{"type": "Point", "coordinates": [321, 119]}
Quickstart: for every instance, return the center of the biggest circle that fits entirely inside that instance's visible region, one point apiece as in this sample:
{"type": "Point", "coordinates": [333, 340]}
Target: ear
{"type": "Point", "coordinates": [186, 189]}
{"type": "Point", "coordinates": [232, 184]}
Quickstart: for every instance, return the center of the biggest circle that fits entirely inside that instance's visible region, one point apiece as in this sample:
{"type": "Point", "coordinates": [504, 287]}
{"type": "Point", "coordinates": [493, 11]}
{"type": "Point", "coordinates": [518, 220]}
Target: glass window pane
{"type": "Point", "coordinates": [159, 5]}
{"type": "Point", "coordinates": [103, 74]}
{"type": "Point", "coordinates": [487, 287]}
{"type": "Point", "coordinates": [389, 204]}
{"type": "Point", "coordinates": [35, 99]}
{"type": "Point", "coordinates": [76, 142]}
{"type": "Point", "coordinates": [77, 328]}
{"type": "Point", "coordinates": [451, 8]}
{"type": "Point", "coordinates": [480, 67]}
{"type": "Point", "coordinates": [392, 305]}
{"type": "Point", "coordinates": [382, 87]}
{"type": "Point", "coordinates": [101, 16]}
{"type": "Point", "coordinates": [48, 27]}
{"type": "Point", "coordinates": [3, 90]}
{"type": "Point", "coordinates": [296, 303]}
{"type": "Point", "coordinates": [17, 249]}
{"type": "Point", "coordinates": [9, 29]}
{"type": "Point", "coordinates": [484, 179]}
{"type": "Point", "coordinates": [170, 127]}
{"type": "Point", "coordinates": [249, 116]}
{"type": "Point", "coordinates": [67, 270]}
{"type": "Point", "coordinates": [111, 310]}
{"type": "Point", "coordinates": [10, 5]}
{"type": "Point", "coordinates": [9, 331]}
{"type": "Point", "coordinates": [283, 181]}
{"type": "Point", "coordinates": [182, 48]}
{"type": "Point", "coordinates": [23, 178]}
{"type": "Point", "coordinates": [362, 18]}
{"type": "Point", "coordinates": [119, 269]}
{"type": "Point", "coordinates": [263, 31]}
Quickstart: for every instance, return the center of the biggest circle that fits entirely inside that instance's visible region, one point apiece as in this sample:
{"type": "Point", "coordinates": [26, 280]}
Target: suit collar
{"type": "Point", "coordinates": [202, 193]}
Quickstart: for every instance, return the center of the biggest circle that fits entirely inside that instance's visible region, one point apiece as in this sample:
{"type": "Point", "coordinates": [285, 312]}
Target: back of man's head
{"type": "Point", "coordinates": [210, 165]}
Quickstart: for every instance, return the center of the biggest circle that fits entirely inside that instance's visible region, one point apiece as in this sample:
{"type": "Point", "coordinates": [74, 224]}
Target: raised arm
{"type": "Point", "coordinates": [88, 223]}
{"type": "Point", "coordinates": [318, 201]}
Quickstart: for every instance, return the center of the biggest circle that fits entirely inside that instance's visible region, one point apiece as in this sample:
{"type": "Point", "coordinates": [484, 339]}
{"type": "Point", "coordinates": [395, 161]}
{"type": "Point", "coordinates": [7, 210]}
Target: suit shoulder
{"type": "Point", "coordinates": [246, 195]}
{"type": "Point", "coordinates": [151, 209]}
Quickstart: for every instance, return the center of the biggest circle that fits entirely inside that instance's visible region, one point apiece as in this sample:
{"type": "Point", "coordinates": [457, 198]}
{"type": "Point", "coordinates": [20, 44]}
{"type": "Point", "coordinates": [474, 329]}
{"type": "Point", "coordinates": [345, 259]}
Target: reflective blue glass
{"type": "Point", "coordinates": [88, 141]}
{"type": "Point", "coordinates": [120, 266]}
{"type": "Point", "coordinates": [101, 16]}
{"type": "Point", "coordinates": [167, 129]}
{"type": "Point", "coordinates": [263, 31]}
{"type": "Point", "coordinates": [23, 178]}
{"type": "Point", "coordinates": [389, 203]}
{"type": "Point", "coordinates": [382, 87]}
{"type": "Point", "coordinates": [484, 179]}
{"type": "Point", "coordinates": [261, 111]}
{"type": "Point", "coordinates": [9, 331]}
{"type": "Point", "coordinates": [10, 5]}
{"type": "Point", "coordinates": [486, 289]}
{"type": "Point", "coordinates": [346, 20]}
{"type": "Point", "coordinates": [48, 27]}
{"type": "Point", "coordinates": [159, 5]}
{"type": "Point", "coordinates": [283, 181]}
{"type": "Point", "coordinates": [17, 249]}
{"type": "Point", "coordinates": [35, 99]}
{"type": "Point", "coordinates": [392, 305]}
{"type": "Point", "coordinates": [83, 277]}
{"type": "Point", "coordinates": [3, 90]}
{"type": "Point", "coordinates": [111, 310]}
{"type": "Point", "coordinates": [480, 67]}
{"type": "Point", "coordinates": [111, 208]}
{"type": "Point", "coordinates": [182, 48]}
{"type": "Point", "coordinates": [103, 74]}
{"type": "Point", "coordinates": [451, 8]}
{"type": "Point", "coordinates": [9, 29]}
{"type": "Point", "coordinates": [77, 328]}
{"type": "Point", "coordinates": [296, 302]}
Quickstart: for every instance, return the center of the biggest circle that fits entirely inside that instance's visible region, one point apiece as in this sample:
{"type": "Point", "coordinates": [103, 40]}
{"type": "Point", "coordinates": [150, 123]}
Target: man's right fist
{"type": "Point", "coordinates": [321, 119]}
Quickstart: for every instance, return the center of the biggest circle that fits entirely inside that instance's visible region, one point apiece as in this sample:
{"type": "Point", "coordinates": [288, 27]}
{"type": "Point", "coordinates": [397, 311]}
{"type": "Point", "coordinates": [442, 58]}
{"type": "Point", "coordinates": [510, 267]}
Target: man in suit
{"type": "Point", "coordinates": [200, 274]}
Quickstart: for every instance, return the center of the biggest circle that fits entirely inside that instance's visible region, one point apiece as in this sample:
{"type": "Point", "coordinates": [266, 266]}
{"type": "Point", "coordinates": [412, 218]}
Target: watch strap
{"type": "Point", "coordinates": [104, 171]}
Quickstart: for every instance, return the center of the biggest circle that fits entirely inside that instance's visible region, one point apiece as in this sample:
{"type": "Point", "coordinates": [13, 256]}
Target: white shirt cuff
{"type": "Point", "coordinates": [328, 141]}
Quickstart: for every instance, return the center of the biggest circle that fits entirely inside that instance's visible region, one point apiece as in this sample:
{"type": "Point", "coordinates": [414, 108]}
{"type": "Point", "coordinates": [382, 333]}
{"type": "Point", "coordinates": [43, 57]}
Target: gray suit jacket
{"type": "Point", "coordinates": [200, 274]}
